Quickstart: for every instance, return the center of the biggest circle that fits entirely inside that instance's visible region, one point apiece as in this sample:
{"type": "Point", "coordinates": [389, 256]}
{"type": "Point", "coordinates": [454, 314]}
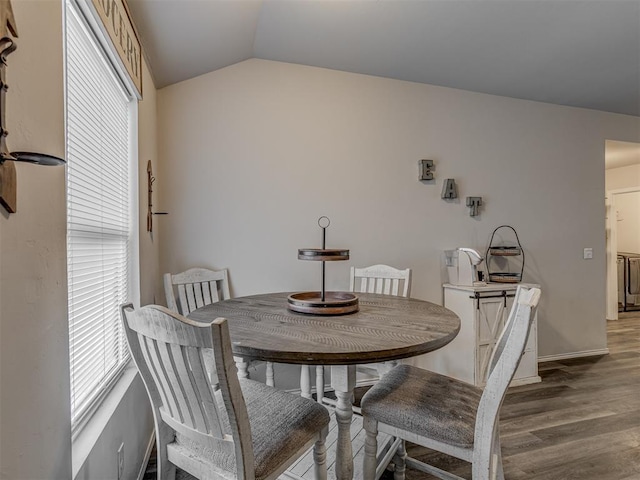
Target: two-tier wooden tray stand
{"type": "Point", "coordinates": [322, 302]}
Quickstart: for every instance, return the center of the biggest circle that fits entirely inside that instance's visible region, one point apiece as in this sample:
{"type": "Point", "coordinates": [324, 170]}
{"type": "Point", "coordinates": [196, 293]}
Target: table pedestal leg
{"type": "Point", "coordinates": [343, 380]}
{"type": "Point", "coordinates": [242, 364]}
{"type": "Point", "coordinates": [305, 381]}
{"type": "Point", "coordinates": [319, 383]}
{"type": "Point", "coordinates": [270, 378]}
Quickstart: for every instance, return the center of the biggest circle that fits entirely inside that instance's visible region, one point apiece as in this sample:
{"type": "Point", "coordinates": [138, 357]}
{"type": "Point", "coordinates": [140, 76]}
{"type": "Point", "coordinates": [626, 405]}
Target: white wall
{"type": "Point", "coordinates": [151, 288]}
{"type": "Point", "coordinates": [35, 430]}
{"type": "Point", "coordinates": [622, 177]}
{"type": "Point", "coordinates": [253, 154]}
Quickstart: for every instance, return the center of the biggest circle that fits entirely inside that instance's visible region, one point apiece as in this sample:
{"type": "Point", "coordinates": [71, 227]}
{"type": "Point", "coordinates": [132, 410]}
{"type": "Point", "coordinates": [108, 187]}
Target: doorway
{"type": "Point", "coordinates": [622, 183]}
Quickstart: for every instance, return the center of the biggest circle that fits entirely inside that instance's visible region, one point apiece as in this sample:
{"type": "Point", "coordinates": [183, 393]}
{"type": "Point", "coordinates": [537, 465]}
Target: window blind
{"type": "Point", "coordinates": [99, 221]}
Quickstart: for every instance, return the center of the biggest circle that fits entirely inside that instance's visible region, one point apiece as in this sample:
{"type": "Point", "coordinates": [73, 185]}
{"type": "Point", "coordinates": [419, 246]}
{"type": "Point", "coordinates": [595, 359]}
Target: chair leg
{"type": "Point", "coordinates": [369, 462]}
{"type": "Point", "coordinates": [498, 472]}
{"type": "Point", "coordinates": [399, 460]}
{"type": "Point", "coordinates": [270, 379]}
{"type": "Point", "coordinates": [487, 458]}
{"type": "Point", "coordinates": [166, 469]}
{"type": "Point", "coordinates": [320, 456]}
{"type": "Point", "coordinates": [319, 383]}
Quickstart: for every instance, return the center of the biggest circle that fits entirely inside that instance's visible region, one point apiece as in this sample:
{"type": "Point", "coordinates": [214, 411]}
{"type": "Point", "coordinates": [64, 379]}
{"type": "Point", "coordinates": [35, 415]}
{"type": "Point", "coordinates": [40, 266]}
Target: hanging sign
{"type": "Point", "coordinates": [117, 23]}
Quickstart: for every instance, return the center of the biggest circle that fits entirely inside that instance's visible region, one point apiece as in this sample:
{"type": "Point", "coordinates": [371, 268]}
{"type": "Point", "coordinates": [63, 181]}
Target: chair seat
{"type": "Point", "coordinates": [425, 403]}
{"type": "Point", "coordinates": [280, 424]}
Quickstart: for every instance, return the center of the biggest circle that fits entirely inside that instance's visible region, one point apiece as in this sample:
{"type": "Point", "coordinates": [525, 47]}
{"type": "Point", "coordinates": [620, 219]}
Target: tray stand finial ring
{"type": "Point", "coordinates": [321, 222]}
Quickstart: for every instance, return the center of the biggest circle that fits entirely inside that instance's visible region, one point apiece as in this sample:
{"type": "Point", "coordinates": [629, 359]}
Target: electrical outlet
{"type": "Point", "coordinates": [121, 461]}
{"type": "Point", "coordinates": [588, 253]}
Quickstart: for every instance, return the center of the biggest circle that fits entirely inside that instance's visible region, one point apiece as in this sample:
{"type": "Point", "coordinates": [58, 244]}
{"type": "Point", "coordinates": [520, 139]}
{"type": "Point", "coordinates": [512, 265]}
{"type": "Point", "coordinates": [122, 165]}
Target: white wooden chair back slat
{"type": "Point", "coordinates": [190, 393]}
{"type": "Point", "coordinates": [395, 286]}
{"type": "Point", "coordinates": [198, 297]}
{"type": "Point", "coordinates": [206, 399]}
{"type": "Point", "coordinates": [161, 375]}
{"type": "Point", "coordinates": [168, 351]}
{"type": "Point", "coordinates": [214, 294]}
{"type": "Point", "coordinates": [206, 293]}
{"type": "Point", "coordinates": [181, 413]}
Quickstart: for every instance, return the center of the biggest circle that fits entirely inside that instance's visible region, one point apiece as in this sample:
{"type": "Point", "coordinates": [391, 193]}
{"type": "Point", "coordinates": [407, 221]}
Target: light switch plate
{"type": "Point", "coordinates": [588, 253]}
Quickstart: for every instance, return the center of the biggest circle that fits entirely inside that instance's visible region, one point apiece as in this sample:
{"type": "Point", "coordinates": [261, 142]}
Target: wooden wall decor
{"type": "Point", "coordinates": [8, 189]}
{"type": "Point", "coordinates": [150, 213]}
{"type": "Point", "coordinates": [8, 181]}
{"type": "Point", "coordinates": [8, 186]}
{"type": "Point", "coordinates": [116, 21]}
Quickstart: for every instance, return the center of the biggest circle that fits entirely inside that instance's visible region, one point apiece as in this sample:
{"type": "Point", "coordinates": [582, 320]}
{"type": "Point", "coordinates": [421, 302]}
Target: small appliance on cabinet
{"type": "Point", "coordinates": [483, 310]}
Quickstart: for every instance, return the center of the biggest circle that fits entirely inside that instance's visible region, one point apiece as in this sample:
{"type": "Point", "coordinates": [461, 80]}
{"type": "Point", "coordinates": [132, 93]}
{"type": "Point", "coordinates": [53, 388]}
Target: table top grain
{"type": "Point", "coordinates": [385, 328]}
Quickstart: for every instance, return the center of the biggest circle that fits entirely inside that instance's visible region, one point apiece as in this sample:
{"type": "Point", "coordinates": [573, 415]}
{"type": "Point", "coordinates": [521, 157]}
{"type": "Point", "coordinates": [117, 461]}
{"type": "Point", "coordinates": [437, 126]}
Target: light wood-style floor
{"type": "Point", "coordinates": [581, 422]}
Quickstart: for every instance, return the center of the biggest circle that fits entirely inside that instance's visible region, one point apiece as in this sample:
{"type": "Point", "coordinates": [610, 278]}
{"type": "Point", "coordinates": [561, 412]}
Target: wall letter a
{"type": "Point", "coordinates": [450, 189]}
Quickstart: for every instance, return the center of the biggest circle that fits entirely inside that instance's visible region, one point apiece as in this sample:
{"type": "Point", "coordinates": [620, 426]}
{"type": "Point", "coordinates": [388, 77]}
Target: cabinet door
{"type": "Point", "coordinates": [490, 317]}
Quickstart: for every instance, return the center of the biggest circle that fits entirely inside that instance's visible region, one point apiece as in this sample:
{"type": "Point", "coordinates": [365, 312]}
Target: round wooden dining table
{"type": "Point", "coordinates": [385, 328]}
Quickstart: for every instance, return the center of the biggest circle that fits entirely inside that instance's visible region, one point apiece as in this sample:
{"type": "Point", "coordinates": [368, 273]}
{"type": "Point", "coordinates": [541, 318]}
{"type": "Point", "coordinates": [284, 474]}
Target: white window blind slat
{"type": "Point", "coordinates": [99, 215]}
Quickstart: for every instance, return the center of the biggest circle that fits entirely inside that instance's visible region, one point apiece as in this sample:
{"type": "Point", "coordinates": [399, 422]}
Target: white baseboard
{"type": "Point", "coordinates": [147, 455]}
{"type": "Point", "coordinates": [567, 356]}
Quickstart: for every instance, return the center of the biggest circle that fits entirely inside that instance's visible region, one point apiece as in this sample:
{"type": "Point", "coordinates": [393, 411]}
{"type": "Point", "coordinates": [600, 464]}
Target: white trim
{"type": "Point", "coordinates": [618, 191]}
{"type": "Point", "coordinates": [147, 456]}
{"type": "Point", "coordinates": [612, 250]}
{"type": "Point", "coordinates": [85, 417]}
{"type": "Point", "coordinates": [135, 205]}
{"type": "Point", "coordinates": [567, 356]}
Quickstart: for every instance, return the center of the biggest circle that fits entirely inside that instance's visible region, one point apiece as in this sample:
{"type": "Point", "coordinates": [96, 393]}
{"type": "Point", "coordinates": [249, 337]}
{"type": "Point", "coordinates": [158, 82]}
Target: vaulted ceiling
{"type": "Point", "coordinates": [581, 53]}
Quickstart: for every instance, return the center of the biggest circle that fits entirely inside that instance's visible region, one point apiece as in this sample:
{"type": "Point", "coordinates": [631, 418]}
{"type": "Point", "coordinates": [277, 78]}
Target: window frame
{"type": "Point", "coordinates": [85, 14]}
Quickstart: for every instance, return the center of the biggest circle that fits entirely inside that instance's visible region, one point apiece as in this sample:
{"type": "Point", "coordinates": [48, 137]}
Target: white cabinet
{"type": "Point", "coordinates": [482, 311]}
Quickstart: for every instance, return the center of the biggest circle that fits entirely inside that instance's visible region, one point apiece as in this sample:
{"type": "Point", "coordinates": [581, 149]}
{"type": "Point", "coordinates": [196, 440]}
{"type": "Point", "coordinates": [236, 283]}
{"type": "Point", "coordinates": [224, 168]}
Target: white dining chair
{"type": "Point", "coordinates": [381, 279]}
{"type": "Point", "coordinates": [385, 280]}
{"type": "Point", "coordinates": [198, 287]}
{"type": "Point", "coordinates": [209, 422]}
{"type": "Point", "coordinates": [446, 414]}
